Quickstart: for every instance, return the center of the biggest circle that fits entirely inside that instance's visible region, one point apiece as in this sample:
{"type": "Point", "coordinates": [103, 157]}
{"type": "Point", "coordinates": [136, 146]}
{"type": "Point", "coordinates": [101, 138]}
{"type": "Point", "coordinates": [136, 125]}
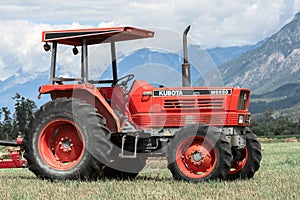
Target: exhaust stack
{"type": "Point", "coordinates": [186, 77]}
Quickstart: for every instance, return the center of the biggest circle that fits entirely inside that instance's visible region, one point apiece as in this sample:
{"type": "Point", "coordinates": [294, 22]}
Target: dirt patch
{"type": "Point", "coordinates": [290, 140]}
{"type": "Point", "coordinates": [266, 139]}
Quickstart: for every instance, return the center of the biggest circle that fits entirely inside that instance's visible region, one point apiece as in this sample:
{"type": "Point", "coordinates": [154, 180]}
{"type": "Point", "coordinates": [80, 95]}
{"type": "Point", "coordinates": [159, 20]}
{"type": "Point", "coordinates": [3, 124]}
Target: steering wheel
{"type": "Point", "coordinates": [125, 79]}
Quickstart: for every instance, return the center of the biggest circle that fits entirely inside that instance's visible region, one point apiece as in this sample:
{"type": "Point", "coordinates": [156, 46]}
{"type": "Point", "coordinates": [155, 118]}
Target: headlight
{"type": "Point", "coordinates": [241, 119]}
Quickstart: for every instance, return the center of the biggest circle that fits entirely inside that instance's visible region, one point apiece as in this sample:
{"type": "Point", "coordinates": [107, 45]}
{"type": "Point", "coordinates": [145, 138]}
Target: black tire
{"type": "Point", "coordinates": [198, 153]}
{"type": "Point", "coordinates": [125, 168]}
{"type": "Point", "coordinates": [67, 139]}
{"type": "Point", "coordinates": [246, 160]}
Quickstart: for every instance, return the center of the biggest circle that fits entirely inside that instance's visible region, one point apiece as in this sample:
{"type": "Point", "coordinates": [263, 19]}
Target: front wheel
{"type": "Point", "coordinates": [246, 161]}
{"type": "Point", "coordinates": [199, 153]}
{"type": "Point", "coordinates": [67, 139]}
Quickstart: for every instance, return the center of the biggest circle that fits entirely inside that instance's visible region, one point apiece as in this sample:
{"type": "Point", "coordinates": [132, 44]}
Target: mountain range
{"type": "Point", "coordinates": [270, 68]}
{"type": "Point", "coordinates": [271, 71]}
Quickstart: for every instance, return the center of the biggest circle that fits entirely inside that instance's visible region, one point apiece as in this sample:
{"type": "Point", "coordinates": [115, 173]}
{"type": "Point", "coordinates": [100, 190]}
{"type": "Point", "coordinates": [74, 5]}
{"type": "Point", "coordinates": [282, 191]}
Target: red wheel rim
{"type": "Point", "coordinates": [61, 144]}
{"type": "Point", "coordinates": [240, 164]}
{"type": "Point", "coordinates": [196, 157]}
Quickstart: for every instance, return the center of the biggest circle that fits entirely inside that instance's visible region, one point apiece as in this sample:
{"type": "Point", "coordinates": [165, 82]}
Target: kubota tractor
{"type": "Point", "coordinates": [91, 129]}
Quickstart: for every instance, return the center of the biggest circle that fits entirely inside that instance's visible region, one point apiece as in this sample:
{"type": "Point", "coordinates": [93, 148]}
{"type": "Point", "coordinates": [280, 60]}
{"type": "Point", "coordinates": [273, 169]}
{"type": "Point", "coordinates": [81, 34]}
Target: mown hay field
{"type": "Point", "coordinates": [278, 178]}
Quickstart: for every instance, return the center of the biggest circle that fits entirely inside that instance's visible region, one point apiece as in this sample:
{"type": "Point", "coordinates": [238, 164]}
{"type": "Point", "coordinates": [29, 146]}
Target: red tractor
{"type": "Point", "coordinates": [90, 130]}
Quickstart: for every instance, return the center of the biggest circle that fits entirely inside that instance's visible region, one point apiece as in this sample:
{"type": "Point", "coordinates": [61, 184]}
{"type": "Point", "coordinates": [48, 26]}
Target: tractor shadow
{"type": "Point", "coordinates": [139, 179]}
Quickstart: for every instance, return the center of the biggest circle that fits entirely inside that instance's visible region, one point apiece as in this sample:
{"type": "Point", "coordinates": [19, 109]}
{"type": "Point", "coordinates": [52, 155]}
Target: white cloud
{"type": "Point", "coordinates": [214, 23]}
{"type": "Point", "coordinates": [21, 48]}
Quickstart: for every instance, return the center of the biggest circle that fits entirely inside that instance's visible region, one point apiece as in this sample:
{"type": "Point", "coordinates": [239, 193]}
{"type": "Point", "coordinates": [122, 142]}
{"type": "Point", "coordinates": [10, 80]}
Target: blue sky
{"type": "Point", "coordinates": [214, 23]}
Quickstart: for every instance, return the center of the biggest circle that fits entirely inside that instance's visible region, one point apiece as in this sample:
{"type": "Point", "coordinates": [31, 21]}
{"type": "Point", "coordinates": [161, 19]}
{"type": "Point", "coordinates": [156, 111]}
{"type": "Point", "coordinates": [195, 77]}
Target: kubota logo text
{"type": "Point", "coordinates": [170, 93]}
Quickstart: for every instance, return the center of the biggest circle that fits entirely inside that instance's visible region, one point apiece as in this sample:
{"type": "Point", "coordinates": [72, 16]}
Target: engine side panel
{"type": "Point", "coordinates": [176, 107]}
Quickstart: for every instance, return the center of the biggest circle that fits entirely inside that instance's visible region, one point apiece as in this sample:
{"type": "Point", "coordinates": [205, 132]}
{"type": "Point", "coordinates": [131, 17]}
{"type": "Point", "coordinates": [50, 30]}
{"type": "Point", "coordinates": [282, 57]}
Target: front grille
{"type": "Point", "coordinates": [243, 99]}
{"type": "Point", "coordinates": [193, 103]}
{"type": "Point", "coordinates": [183, 103]}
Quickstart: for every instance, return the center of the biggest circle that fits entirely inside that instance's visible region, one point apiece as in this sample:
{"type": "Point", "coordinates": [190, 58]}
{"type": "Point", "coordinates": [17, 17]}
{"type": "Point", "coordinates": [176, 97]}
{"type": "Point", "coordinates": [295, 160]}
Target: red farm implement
{"type": "Point", "coordinates": [14, 157]}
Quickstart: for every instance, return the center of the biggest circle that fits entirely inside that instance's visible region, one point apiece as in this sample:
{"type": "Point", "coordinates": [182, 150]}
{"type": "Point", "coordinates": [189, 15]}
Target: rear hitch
{"type": "Point", "coordinates": [10, 143]}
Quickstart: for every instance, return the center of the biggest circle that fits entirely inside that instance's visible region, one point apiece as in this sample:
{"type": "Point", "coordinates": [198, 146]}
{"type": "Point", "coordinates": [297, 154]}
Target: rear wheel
{"type": "Point", "coordinates": [246, 161]}
{"type": "Point", "coordinates": [67, 139]}
{"type": "Point", "coordinates": [199, 153]}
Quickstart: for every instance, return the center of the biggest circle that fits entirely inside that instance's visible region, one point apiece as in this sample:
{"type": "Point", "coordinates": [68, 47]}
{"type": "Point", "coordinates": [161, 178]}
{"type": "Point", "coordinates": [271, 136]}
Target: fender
{"type": "Point", "coordinates": [88, 93]}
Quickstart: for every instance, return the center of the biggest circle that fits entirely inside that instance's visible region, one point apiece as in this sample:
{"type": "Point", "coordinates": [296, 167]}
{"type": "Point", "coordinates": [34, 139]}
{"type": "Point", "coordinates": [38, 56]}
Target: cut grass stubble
{"type": "Point", "coordinates": [277, 178]}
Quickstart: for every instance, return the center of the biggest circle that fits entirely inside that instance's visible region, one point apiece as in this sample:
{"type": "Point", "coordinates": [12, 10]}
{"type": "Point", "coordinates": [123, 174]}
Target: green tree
{"type": "Point", "coordinates": [6, 124]}
{"type": "Point", "coordinates": [23, 113]}
{"type": "Point", "coordinates": [10, 128]}
{"type": "Point", "coordinates": [270, 126]}
{"type": "Point", "coordinates": [268, 114]}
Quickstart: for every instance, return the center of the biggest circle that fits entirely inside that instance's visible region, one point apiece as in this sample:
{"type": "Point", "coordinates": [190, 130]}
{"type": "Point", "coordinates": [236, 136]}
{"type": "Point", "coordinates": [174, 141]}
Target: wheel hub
{"type": "Point", "coordinates": [194, 155]}
{"type": "Point", "coordinates": [197, 156]}
{"type": "Point", "coordinates": [65, 144]}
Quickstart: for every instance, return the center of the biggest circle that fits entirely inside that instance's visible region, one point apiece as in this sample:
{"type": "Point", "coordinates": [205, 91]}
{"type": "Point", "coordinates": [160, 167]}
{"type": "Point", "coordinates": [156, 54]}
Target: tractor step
{"type": "Point", "coordinates": [129, 154]}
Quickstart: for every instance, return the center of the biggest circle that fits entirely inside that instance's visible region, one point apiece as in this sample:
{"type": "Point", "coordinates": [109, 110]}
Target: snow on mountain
{"type": "Point", "coordinates": [270, 66]}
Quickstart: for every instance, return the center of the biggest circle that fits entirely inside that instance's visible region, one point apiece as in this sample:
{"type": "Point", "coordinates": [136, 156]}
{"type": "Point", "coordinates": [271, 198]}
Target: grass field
{"type": "Point", "coordinates": [278, 178]}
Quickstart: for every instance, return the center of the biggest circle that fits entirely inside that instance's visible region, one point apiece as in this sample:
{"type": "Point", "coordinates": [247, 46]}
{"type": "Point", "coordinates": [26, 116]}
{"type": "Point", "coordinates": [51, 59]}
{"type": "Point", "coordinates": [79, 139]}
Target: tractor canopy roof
{"type": "Point", "coordinates": [95, 35]}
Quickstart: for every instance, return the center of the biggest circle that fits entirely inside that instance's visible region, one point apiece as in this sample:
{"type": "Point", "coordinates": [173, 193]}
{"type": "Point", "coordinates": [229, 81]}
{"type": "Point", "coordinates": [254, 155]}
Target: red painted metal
{"type": "Point", "coordinates": [88, 93]}
{"type": "Point", "coordinates": [16, 157]}
{"type": "Point", "coordinates": [95, 35]}
{"type": "Point", "coordinates": [153, 112]}
{"type": "Point", "coordinates": [61, 144]}
{"type": "Point", "coordinates": [196, 157]}
{"type": "Point", "coordinates": [16, 160]}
